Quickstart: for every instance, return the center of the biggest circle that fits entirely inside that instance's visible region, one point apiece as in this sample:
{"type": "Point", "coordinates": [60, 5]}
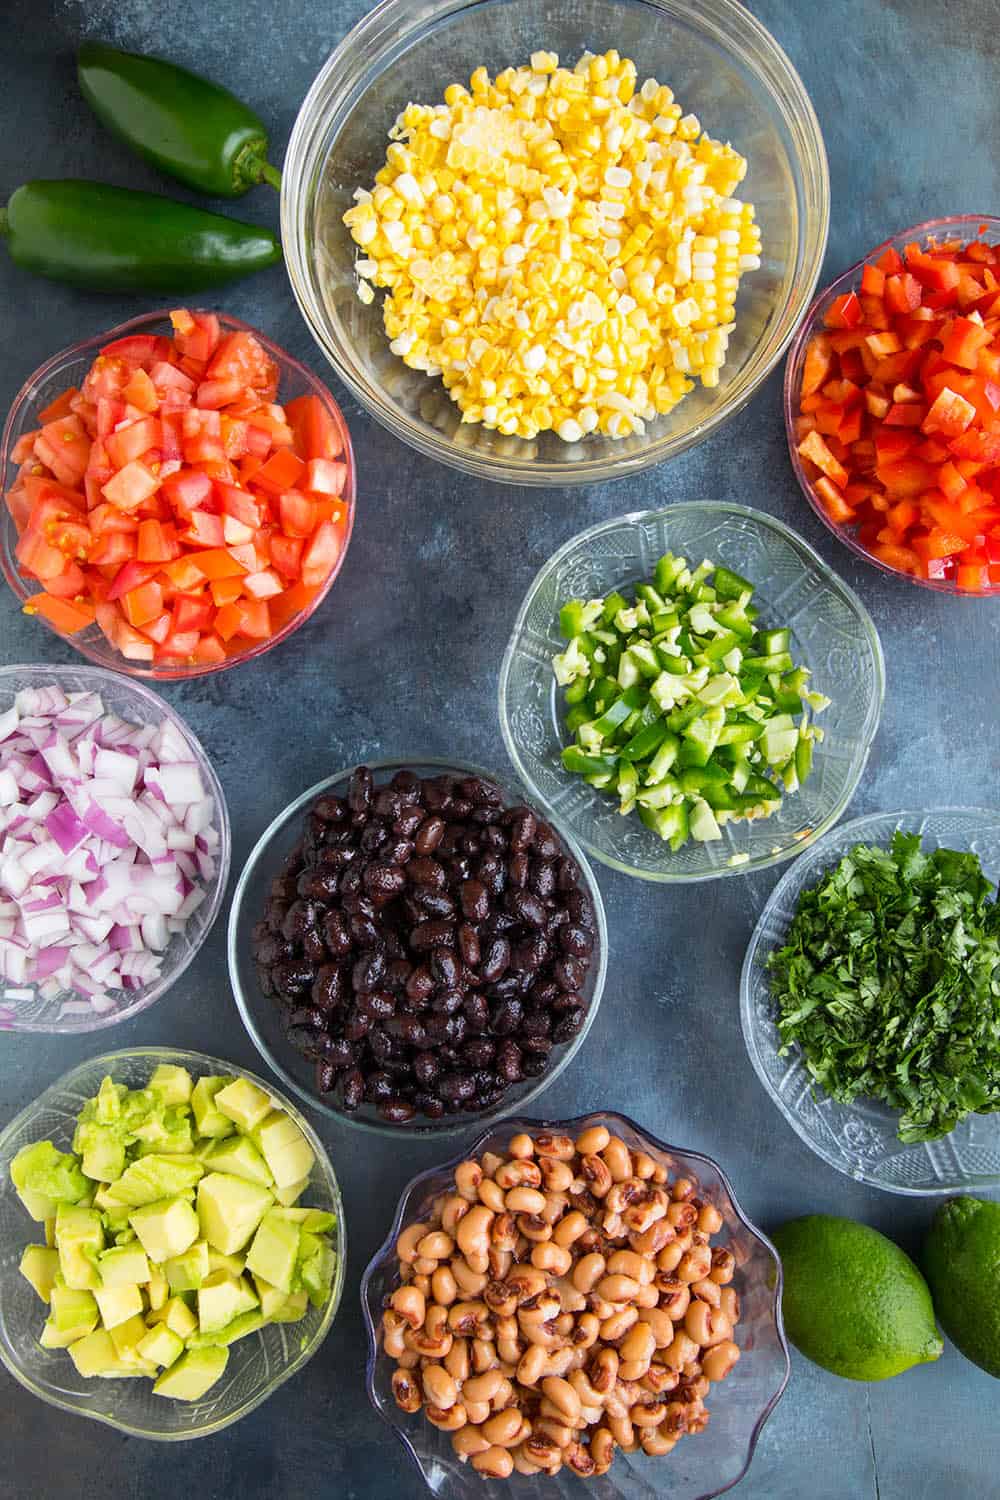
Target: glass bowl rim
{"type": "Point", "coordinates": [571, 1126]}
{"type": "Point", "coordinates": [410, 19]}
{"type": "Point", "coordinates": [165, 711]}
{"type": "Point", "coordinates": [450, 1125]}
{"type": "Point", "coordinates": [803, 333]}
{"type": "Point", "coordinates": [201, 1059]}
{"type": "Point", "coordinates": [855, 826]}
{"type": "Point", "coordinates": [829, 577]}
{"type": "Point", "coordinates": [29, 392]}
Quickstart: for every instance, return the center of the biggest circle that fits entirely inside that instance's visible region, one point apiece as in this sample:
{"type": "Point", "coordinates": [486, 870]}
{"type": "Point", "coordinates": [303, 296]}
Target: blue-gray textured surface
{"type": "Point", "coordinates": [403, 658]}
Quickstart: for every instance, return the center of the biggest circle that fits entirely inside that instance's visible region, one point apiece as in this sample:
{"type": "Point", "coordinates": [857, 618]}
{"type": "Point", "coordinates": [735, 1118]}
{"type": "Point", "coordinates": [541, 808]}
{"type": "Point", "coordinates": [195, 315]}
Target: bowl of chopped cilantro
{"type": "Point", "coordinates": [870, 999]}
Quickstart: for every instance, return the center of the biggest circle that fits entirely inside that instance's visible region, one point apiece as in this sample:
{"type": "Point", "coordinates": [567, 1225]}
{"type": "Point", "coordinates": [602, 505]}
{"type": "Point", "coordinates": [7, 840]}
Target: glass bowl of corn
{"type": "Point", "coordinates": [536, 263]}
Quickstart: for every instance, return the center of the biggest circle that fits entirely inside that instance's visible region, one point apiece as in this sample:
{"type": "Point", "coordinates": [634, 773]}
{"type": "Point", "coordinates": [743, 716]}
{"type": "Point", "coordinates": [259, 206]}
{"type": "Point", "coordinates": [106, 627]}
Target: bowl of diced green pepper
{"type": "Point", "coordinates": [691, 691]}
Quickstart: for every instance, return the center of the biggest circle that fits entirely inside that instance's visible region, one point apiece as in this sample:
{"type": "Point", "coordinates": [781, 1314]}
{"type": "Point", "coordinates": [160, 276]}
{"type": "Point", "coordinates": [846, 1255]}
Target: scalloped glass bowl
{"type": "Point", "coordinates": [67, 368]}
{"type": "Point", "coordinates": [262, 1016]}
{"type": "Point", "coordinates": [258, 1364]}
{"type": "Point", "coordinates": [722, 64]}
{"type": "Point", "coordinates": [131, 700]}
{"type": "Point", "coordinates": [703, 1466]}
{"type": "Point", "coordinates": [832, 634]}
{"type": "Point", "coordinates": [967, 227]}
{"type": "Point", "coordinates": [860, 1139]}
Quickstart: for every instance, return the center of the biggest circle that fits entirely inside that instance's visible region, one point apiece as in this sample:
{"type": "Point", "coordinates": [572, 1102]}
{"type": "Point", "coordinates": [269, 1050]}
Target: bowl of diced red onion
{"type": "Point", "coordinates": [114, 848]}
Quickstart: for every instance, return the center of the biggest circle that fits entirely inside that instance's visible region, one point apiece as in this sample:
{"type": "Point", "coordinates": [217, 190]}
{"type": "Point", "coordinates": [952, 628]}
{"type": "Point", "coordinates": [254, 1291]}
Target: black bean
{"type": "Point", "coordinates": [378, 1003]}
{"type": "Point", "coordinates": [536, 1022]}
{"type": "Point", "coordinates": [542, 879]}
{"type": "Point", "coordinates": [429, 834]}
{"type": "Point", "coordinates": [495, 960]}
{"type": "Point", "coordinates": [300, 917]}
{"type": "Point", "coordinates": [580, 910]}
{"type": "Point", "coordinates": [432, 934]}
{"type": "Point", "coordinates": [492, 873]}
{"type": "Point", "coordinates": [537, 1044]}
{"type": "Point", "coordinates": [508, 1061]}
{"type": "Point", "coordinates": [506, 1016]}
{"type": "Point", "coordinates": [406, 1029]}
{"type": "Point", "coordinates": [357, 1024]}
{"type": "Point", "coordinates": [546, 845]}
{"type": "Point", "coordinates": [340, 1053]}
{"type": "Point", "coordinates": [359, 793]}
{"type": "Point", "coordinates": [576, 941]}
{"type": "Point", "coordinates": [326, 1076]}
{"type": "Point", "coordinates": [475, 901]}
{"type": "Point", "coordinates": [336, 934]}
{"type": "Point", "coordinates": [408, 822]}
{"type": "Point", "coordinates": [407, 783]}
{"type": "Point", "coordinates": [350, 880]}
{"type": "Point", "coordinates": [373, 837]}
{"type": "Point", "coordinates": [445, 967]}
{"type": "Point", "coordinates": [293, 978]}
{"type": "Point", "coordinates": [568, 1025]}
{"type": "Point", "coordinates": [522, 829]}
{"type": "Point", "coordinates": [518, 869]}
{"type": "Point", "coordinates": [533, 1064]}
{"type": "Point", "coordinates": [272, 949]}
{"type": "Point", "coordinates": [468, 944]}
{"type": "Point", "coordinates": [429, 1105]}
{"type": "Point", "coordinates": [384, 881]}
{"type": "Point", "coordinates": [426, 1068]}
{"type": "Point", "coordinates": [478, 1053]}
{"type": "Point", "coordinates": [397, 1110]}
{"type": "Point", "coordinates": [420, 985]}
{"type": "Point", "coordinates": [568, 973]}
{"type": "Point", "coordinates": [364, 931]}
{"type": "Point", "coordinates": [433, 903]}
{"type": "Point", "coordinates": [422, 870]}
{"type": "Point", "coordinates": [526, 908]}
{"type": "Point", "coordinates": [510, 984]}
{"type": "Point", "coordinates": [353, 1089]}
{"type": "Point", "coordinates": [446, 1002]}
{"type": "Point", "coordinates": [379, 1086]}
{"type": "Point", "coordinates": [455, 1087]}
{"type": "Point", "coordinates": [476, 1010]}
{"type": "Point", "coordinates": [399, 850]}
{"type": "Point", "coordinates": [442, 1028]}
{"type": "Point", "coordinates": [303, 1039]}
{"type": "Point", "coordinates": [387, 803]}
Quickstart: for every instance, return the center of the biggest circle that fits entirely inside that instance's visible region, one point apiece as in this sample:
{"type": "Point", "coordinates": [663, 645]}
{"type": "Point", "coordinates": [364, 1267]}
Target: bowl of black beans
{"type": "Point", "coordinates": [414, 948]}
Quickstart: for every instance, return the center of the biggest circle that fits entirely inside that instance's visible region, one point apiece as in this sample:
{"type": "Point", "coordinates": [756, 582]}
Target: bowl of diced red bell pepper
{"type": "Point", "coordinates": [892, 405]}
{"type": "Point", "coordinates": [179, 494]}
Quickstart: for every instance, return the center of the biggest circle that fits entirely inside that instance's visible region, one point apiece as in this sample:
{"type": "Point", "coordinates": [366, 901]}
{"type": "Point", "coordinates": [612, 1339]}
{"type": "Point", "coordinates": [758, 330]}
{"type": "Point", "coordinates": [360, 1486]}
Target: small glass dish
{"type": "Point", "coordinates": [860, 1139]}
{"type": "Point", "coordinates": [832, 634]}
{"type": "Point", "coordinates": [258, 1364]}
{"type": "Point", "coordinates": [139, 704]}
{"type": "Point", "coordinates": [958, 226]}
{"type": "Point", "coordinates": [704, 1465]}
{"type": "Point", "coordinates": [262, 1016]}
{"type": "Point", "coordinates": [723, 66]}
{"type": "Point", "coordinates": [67, 368]}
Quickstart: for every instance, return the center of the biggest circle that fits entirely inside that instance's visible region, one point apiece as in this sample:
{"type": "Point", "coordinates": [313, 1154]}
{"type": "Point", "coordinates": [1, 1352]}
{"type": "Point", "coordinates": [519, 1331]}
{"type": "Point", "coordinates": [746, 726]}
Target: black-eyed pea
{"type": "Point", "coordinates": [683, 1189]}
{"type": "Point", "coordinates": [422, 1282]}
{"type": "Point", "coordinates": [473, 1235]}
{"type": "Point", "coordinates": [457, 1361]}
{"type": "Point", "coordinates": [563, 1397]}
{"type": "Point", "coordinates": [550, 1424]}
{"type": "Point", "coordinates": [490, 1161]}
{"type": "Point", "coordinates": [682, 1215]}
{"type": "Point", "coordinates": [552, 1258]}
{"type": "Point", "coordinates": [453, 1211]}
{"type": "Point", "coordinates": [578, 1459]}
{"type": "Point", "coordinates": [675, 1295]}
{"type": "Point", "coordinates": [603, 1370]}
{"type": "Point", "coordinates": [531, 1366]}
{"type": "Point", "coordinates": [618, 1159]}
{"type": "Point", "coordinates": [469, 1441]}
{"type": "Point", "coordinates": [660, 1325]}
{"type": "Point", "coordinates": [682, 1349]}
{"type": "Point", "coordinates": [504, 1233]}
{"type": "Point", "coordinates": [718, 1362]}
{"type": "Point", "coordinates": [483, 1387]}
{"type": "Point", "coordinates": [659, 1380]}
{"type": "Point", "coordinates": [523, 1464]}
{"type": "Point", "coordinates": [617, 1288]}
{"type": "Point", "coordinates": [521, 1147]}
{"type": "Point", "coordinates": [588, 1394]}
{"type": "Point", "coordinates": [651, 1241]}
{"type": "Point", "coordinates": [435, 1246]}
{"type": "Point", "coordinates": [596, 1174]}
{"type": "Point", "coordinates": [478, 1412]}
{"type": "Point", "coordinates": [411, 1305]}
{"type": "Point", "coordinates": [602, 1449]}
{"type": "Point", "coordinates": [628, 1263]}
{"type": "Point", "coordinates": [563, 1325]}
{"type": "Point", "coordinates": [556, 1205]}
{"type": "Point", "coordinates": [525, 1200]}
{"type": "Point", "coordinates": [557, 1176]}
{"type": "Point", "coordinates": [637, 1347]}
{"type": "Point", "coordinates": [495, 1463]}
{"type": "Point", "coordinates": [655, 1443]}
{"type": "Point", "coordinates": [647, 1296]}
{"type": "Point", "coordinates": [470, 1283]}
{"type": "Point", "coordinates": [482, 1355]}
{"type": "Point", "coordinates": [560, 1361]}
{"type": "Point", "coordinates": [504, 1427]}
{"type": "Point", "coordinates": [542, 1451]}
{"type": "Point", "coordinates": [500, 1263]}
{"type": "Point", "coordinates": [730, 1303]}
{"type": "Point", "coordinates": [440, 1389]}
{"type": "Point", "coordinates": [569, 1229]}
{"type": "Point", "coordinates": [559, 1146]}
{"type": "Point", "coordinates": [466, 1319]}
{"type": "Point", "coordinates": [543, 1334]}
{"type": "Point", "coordinates": [534, 1228]}
{"type": "Point", "coordinates": [592, 1140]}
{"type": "Point", "coordinates": [706, 1325]}
{"type": "Point", "coordinates": [678, 1416]}
{"type": "Point", "coordinates": [618, 1325]}
{"type": "Point", "coordinates": [409, 1360]}
{"type": "Point", "coordinates": [695, 1264]}
{"type": "Point", "coordinates": [406, 1391]}
{"type": "Point", "coordinates": [541, 1308]}
{"type": "Point", "coordinates": [648, 1413]}
{"type": "Point", "coordinates": [613, 1226]}
{"type": "Point", "coordinates": [622, 1431]}
{"type": "Point", "coordinates": [723, 1265]}
{"type": "Point", "coordinates": [512, 1174]}
{"type": "Point", "coordinates": [669, 1257]}
{"type": "Point", "coordinates": [509, 1352]}
{"type": "Point", "coordinates": [643, 1166]}
{"type": "Point", "coordinates": [692, 1370]}
{"type": "Point", "coordinates": [468, 1176]}
{"type": "Point", "coordinates": [707, 1291]}
{"type": "Point", "coordinates": [446, 1419]}
{"type": "Point", "coordinates": [406, 1245]}
{"type": "Point", "coordinates": [601, 1308]}
{"type": "Point", "coordinates": [694, 1390]}
{"type": "Point", "coordinates": [501, 1298]}
{"type": "Point", "coordinates": [527, 1282]}
{"type": "Point", "coordinates": [588, 1271]}
{"type": "Point", "coordinates": [585, 1331]}
{"type": "Point", "coordinates": [709, 1219]}
{"type": "Point", "coordinates": [491, 1195]}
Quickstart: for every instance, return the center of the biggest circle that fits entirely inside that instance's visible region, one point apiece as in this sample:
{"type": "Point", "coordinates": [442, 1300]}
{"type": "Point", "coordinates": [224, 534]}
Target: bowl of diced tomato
{"type": "Point", "coordinates": [179, 494]}
{"type": "Point", "coordinates": [892, 405]}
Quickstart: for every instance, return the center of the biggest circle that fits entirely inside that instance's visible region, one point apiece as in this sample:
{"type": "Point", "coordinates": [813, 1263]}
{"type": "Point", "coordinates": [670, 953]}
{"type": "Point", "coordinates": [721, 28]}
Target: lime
{"type": "Point", "coordinates": [853, 1301]}
{"type": "Point", "coordinates": [962, 1261]}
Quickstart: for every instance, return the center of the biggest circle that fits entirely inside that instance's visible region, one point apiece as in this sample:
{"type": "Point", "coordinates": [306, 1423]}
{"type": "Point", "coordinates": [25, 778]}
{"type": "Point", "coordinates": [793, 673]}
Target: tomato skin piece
{"type": "Point", "coordinates": [844, 312]}
{"type": "Point", "coordinates": [282, 471]}
{"type": "Point", "coordinates": [191, 612]}
{"type": "Point", "coordinates": [130, 442]}
{"type": "Point", "coordinates": [325, 477]}
{"type": "Point", "coordinates": [321, 554]}
{"type": "Point", "coordinates": [286, 555]}
{"type": "Point", "coordinates": [187, 490]}
{"type": "Point", "coordinates": [60, 407]}
{"type": "Point", "coordinates": [143, 604]}
{"type": "Point", "coordinates": [67, 617]}
{"type": "Point", "coordinates": [316, 434]}
{"type": "Point", "coordinates": [298, 514]}
{"type": "Point", "coordinates": [237, 503]}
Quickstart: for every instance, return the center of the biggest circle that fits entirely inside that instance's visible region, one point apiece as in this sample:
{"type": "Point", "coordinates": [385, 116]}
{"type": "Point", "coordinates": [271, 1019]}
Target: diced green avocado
{"type": "Point", "coordinates": [247, 1322]}
{"type": "Point", "coordinates": [107, 1104]}
{"type": "Point", "coordinates": [293, 1309]}
{"type": "Point", "coordinates": [287, 1195]}
{"type": "Point", "coordinates": [233, 1265]}
{"type": "Point", "coordinates": [229, 1210]}
{"type": "Point", "coordinates": [175, 1315]}
{"type": "Point", "coordinates": [192, 1375]}
{"type": "Point", "coordinates": [284, 1148]}
{"type": "Point", "coordinates": [185, 1273]}
{"type": "Point", "coordinates": [72, 1309]}
{"type": "Point", "coordinates": [316, 1220]}
{"type": "Point", "coordinates": [160, 1346]}
{"type": "Point", "coordinates": [166, 1134]}
{"type": "Point", "coordinates": [50, 1232]}
{"type": "Point", "coordinates": [244, 1103]}
{"type": "Point", "coordinates": [57, 1338]}
{"type": "Point", "coordinates": [165, 1229]}
{"type": "Point", "coordinates": [157, 1288]}
{"type": "Point", "coordinates": [317, 1263]}
{"type": "Point", "coordinates": [271, 1297]}
{"type": "Point", "coordinates": [127, 1336]}
{"type": "Point", "coordinates": [103, 1150]}
{"type": "Point", "coordinates": [40, 1266]}
{"type": "Point", "coordinates": [95, 1354]}
{"type": "Point", "coordinates": [125, 1265]}
{"type": "Point", "coordinates": [118, 1303]}
{"type": "Point", "coordinates": [154, 1177]}
{"type": "Point", "coordinates": [79, 1238]}
{"type": "Point", "coordinates": [221, 1299]}
{"type": "Point", "coordinates": [275, 1251]}
{"type": "Point", "coordinates": [240, 1157]}
{"type": "Point", "coordinates": [114, 1214]}
{"type": "Point", "coordinates": [209, 1120]}
{"type": "Point", "coordinates": [45, 1177]}
{"type": "Point", "coordinates": [703, 823]}
{"type": "Point", "coordinates": [173, 1084]}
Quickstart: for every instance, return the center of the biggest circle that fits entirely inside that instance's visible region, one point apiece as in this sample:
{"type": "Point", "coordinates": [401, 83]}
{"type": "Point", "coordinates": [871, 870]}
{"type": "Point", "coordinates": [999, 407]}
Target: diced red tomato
{"type": "Point", "coordinates": [899, 415]}
{"type": "Point", "coordinates": [172, 500]}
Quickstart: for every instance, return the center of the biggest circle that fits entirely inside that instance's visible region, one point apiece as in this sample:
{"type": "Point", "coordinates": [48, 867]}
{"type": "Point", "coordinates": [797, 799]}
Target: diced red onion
{"type": "Point", "coordinates": [106, 835]}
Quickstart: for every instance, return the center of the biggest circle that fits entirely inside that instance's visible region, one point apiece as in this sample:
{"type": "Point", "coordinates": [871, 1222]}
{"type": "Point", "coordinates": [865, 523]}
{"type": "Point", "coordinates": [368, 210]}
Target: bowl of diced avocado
{"type": "Point", "coordinates": [172, 1243]}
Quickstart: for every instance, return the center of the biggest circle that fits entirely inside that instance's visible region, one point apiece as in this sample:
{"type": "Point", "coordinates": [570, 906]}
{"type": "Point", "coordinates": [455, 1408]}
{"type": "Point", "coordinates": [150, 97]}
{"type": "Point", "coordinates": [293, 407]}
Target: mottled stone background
{"type": "Point", "coordinates": [403, 658]}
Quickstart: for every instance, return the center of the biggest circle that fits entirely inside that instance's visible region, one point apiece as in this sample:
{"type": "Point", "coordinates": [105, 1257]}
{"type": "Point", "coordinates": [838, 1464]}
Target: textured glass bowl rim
{"type": "Point", "coordinates": [371, 46]}
{"type": "Point", "coordinates": [793, 372]}
{"type": "Point", "coordinates": [386, 1250]}
{"type": "Point", "coordinates": [863, 830]}
{"type": "Point", "coordinates": [102, 675]}
{"type": "Point", "coordinates": [450, 1124]}
{"type": "Point", "coordinates": [212, 1065]}
{"type": "Point", "coordinates": [832, 579]}
{"type": "Point", "coordinates": [103, 655]}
